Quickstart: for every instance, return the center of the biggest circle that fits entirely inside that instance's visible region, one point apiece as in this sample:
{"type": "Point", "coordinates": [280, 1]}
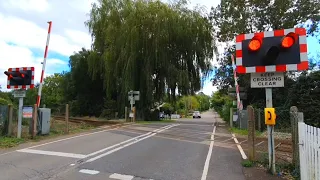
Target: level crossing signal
{"type": "Point", "coordinates": [272, 51]}
{"type": "Point", "coordinates": [20, 78]}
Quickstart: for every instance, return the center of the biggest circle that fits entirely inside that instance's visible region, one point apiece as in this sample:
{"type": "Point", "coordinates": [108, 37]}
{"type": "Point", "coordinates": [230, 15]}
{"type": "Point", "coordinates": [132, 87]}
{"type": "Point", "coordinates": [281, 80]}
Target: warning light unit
{"type": "Point", "coordinates": [20, 78]}
{"type": "Point", "coordinates": [272, 51]}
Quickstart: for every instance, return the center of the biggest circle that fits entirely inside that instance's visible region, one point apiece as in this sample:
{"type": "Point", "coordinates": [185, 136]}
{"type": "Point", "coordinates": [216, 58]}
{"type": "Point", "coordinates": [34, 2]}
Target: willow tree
{"type": "Point", "coordinates": [149, 46]}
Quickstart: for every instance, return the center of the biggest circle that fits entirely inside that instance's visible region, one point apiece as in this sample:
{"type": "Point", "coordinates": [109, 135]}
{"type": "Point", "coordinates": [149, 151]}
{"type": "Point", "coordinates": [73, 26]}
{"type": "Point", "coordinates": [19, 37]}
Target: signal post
{"type": "Point", "coordinates": [266, 56]}
{"type": "Point", "coordinates": [20, 79]}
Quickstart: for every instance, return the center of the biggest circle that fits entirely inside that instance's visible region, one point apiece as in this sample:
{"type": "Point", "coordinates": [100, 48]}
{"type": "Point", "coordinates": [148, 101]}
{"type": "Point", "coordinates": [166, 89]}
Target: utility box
{"type": "Point", "coordinates": [44, 119]}
{"type": "Point", "coordinates": [243, 119]}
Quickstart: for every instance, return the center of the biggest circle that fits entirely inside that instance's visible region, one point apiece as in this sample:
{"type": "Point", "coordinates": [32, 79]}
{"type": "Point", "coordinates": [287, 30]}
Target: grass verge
{"type": "Point", "coordinates": [8, 142]}
{"type": "Point", "coordinates": [57, 129]}
{"type": "Point", "coordinates": [243, 132]}
{"type": "Point", "coordinates": [284, 170]}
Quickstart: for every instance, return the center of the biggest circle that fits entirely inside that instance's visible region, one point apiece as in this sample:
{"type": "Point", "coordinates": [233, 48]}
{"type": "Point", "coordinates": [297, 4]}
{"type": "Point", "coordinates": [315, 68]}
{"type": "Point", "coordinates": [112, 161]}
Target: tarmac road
{"type": "Point", "coordinates": [189, 149]}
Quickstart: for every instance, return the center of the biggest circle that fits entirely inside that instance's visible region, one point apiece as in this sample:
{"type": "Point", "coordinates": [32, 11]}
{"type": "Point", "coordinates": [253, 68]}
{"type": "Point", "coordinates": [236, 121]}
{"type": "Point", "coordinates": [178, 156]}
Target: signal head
{"type": "Point", "coordinates": [289, 40]}
{"type": "Point", "coordinates": [255, 43]}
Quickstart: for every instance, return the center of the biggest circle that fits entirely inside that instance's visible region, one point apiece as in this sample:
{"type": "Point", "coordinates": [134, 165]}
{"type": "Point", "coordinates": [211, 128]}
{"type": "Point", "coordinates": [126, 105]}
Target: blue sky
{"type": "Point", "coordinates": [24, 31]}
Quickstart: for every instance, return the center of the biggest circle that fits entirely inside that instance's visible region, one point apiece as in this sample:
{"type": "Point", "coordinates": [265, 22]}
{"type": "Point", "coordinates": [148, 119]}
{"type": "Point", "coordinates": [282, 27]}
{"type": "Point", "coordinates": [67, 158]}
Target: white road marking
{"type": "Point", "coordinates": [87, 134]}
{"type": "Point", "coordinates": [123, 142]}
{"type": "Point", "coordinates": [125, 145]}
{"type": "Point", "coordinates": [206, 164]}
{"type": "Point", "coordinates": [53, 153]}
{"type": "Point", "coordinates": [193, 124]}
{"type": "Point", "coordinates": [72, 164]}
{"type": "Point", "coordinates": [244, 156]}
{"type": "Point", "coordinates": [121, 176]}
{"type": "Point", "coordinates": [88, 171]}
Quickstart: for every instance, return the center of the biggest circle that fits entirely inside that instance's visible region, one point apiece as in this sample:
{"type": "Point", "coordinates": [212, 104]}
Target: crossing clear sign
{"type": "Point", "coordinates": [270, 79]}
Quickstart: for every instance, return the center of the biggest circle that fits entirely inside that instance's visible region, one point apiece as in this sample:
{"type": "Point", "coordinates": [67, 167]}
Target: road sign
{"type": "Point", "coordinates": [27, 112]}
{"type": "Point", "coordinates": [269, 116]}
{"type": "Point", "coordinates": [19, 93]}
{"type": "Point", "coordinates": [135, 94]}
{"type": "Point", "coordinates": [263, 80]}
{"type": "Point", "coordinates": [272, 51]}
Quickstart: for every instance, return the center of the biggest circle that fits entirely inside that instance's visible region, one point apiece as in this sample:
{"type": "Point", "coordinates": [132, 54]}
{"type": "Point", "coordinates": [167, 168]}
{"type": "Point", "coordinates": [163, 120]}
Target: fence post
{"type": "Point", "coordinates": [294, 135]}
{"type": "Point", "coordinates": [126, 113]}
{"type": "Point", "coordinates": [34, 121]}
{"type": "Point", "coordinates": [134, 114]}
{"type": "Point", "coordinates": [259, 119]}
{"type": "Point", "coordinates": [302, 148]}
{"type": "Point", "coordinates": [10, 116]}
{"type": "Point", "coordinates": [231, 117]}
{"type": "Point", "coordinates": [67, 118]}
{"type": "Point", "coordinates": [251, 133]}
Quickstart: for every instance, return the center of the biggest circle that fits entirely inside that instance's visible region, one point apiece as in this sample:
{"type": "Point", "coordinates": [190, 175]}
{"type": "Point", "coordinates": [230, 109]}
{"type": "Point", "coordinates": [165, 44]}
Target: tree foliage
{"type": "Point", "coordinates": [149, 46]}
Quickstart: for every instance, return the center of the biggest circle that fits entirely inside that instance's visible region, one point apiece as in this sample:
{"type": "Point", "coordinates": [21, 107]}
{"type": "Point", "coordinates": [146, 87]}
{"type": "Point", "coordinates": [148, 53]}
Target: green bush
{"type": "Point", "coordinates": [5, 101]}
{"type": "Point", "coordinates": [222, 104]}
{"type": "Point", "coordinates": [226, 109]}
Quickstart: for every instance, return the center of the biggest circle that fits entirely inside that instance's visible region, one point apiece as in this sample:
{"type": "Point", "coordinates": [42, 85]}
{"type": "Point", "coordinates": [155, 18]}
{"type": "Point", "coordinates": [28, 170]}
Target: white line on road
{"type": "Point", "coordinates": [206, 164]}
{"type": "Point", "coordinates": [123, 142]}
{"type": "Point", "coordinates": [244, 156]}
{"type": "Point", "coordinates": [53, 153]}
{"type": "Point", "coordinates": [121, 176]}
{"type": "Point", "coordinates": [125, 145]}
{"type": "Point", "coordinates": [88, 171]}
{"type": "Point", "coordinates": [86, 134]}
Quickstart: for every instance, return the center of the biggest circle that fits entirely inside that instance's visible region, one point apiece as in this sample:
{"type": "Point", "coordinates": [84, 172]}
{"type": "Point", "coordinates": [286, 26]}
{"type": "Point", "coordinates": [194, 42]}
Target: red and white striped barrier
{"type": "Point", "coordinates": [239, 104]}
{"type": "Point", "coordinates": [44, 64]}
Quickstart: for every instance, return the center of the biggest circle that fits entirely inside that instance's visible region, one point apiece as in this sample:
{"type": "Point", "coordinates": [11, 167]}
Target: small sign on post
{"type": "Point", "coordinates": [21, 93]}
{"type": "Point", "coordinates": [132, 97]}
{"type": "Point", "coordinates": [269, 79]}
{"type": "Point", "coordinates": [269, 116]}
{"type": "Point", "coordinates": [27, 112]}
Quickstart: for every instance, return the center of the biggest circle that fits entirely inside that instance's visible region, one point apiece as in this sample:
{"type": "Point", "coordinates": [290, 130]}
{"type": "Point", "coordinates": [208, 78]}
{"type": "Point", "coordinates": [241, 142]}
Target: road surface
{"type": "Point", "coordinates": [189, 149]}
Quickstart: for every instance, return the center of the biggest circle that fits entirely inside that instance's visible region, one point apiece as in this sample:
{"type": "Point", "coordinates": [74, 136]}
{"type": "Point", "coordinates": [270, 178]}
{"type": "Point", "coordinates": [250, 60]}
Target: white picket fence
{"type": "Point", "coordinates": [309, 152]}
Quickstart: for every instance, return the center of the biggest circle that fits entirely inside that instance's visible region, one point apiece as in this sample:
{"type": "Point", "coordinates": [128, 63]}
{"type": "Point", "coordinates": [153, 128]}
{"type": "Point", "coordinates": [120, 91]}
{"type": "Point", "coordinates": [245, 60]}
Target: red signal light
{"type": "Point", "coordinates": [289, 40]}
{"type": "Point", "coordinates": [22, 75]}
{"type": "Point", "coordinates": [255, 43]}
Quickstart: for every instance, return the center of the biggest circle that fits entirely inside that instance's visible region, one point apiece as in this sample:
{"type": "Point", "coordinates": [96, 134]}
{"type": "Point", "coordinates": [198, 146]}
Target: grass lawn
{"type": "Point", "coordinates": [243, 132]}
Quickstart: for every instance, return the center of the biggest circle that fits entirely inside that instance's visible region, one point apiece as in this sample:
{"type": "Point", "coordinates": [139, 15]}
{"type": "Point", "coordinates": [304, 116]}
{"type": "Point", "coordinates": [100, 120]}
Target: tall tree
{"type": "Point", "coordinates": [149, 46]}
{"type": "Point", "coordinates": [85, 95]}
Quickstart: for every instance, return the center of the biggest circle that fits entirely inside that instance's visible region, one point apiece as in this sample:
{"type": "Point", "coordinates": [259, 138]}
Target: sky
{"type": "Point", "coordinates": [24, 27]}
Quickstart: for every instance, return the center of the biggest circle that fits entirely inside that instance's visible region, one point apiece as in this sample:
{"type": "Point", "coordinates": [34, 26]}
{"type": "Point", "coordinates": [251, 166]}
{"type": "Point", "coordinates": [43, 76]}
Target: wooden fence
{"type": "Point", "coordinates": [309, 152]}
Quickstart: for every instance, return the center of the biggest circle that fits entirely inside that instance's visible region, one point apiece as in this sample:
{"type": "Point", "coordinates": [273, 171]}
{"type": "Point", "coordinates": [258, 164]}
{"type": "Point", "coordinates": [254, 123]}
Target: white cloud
{"type": "Point", "coordinates": [26, 5]}
{"type": "Point", "coordinates": [24, 30]}
{"type": "Point", "coordinates": [28, 34]}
